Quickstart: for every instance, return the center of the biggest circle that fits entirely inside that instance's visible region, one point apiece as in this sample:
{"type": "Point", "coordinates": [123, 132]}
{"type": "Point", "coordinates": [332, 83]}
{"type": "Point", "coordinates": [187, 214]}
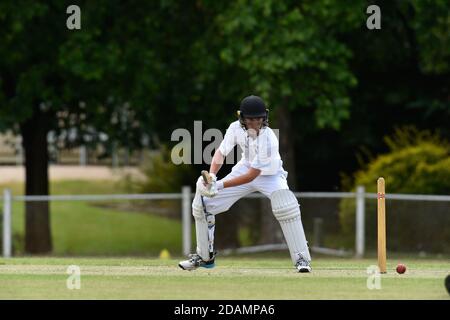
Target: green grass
{"type": "Point", "coordinates": [84, 228]}
{"type": "Point", "coordinates": [233, 278]}
{"type": "Point", "coordinates": [73, 187]}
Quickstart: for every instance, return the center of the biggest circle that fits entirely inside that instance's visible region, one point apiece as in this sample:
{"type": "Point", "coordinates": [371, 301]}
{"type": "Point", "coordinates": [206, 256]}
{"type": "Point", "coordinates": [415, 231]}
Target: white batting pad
{"type": "Point", "coordinates": [287, 211]}
{"type": "Point", "coordinates": [204, 228]}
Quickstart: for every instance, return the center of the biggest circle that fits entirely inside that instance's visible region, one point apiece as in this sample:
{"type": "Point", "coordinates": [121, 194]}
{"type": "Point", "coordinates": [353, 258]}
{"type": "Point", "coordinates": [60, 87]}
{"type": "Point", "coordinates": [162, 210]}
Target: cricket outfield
{"type": "Point", "coordinates": [233, 278]}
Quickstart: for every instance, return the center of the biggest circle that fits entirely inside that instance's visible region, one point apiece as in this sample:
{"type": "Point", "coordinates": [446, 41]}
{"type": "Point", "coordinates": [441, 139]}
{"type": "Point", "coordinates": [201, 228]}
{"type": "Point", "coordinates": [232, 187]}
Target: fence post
{"type": "Point", "coordinates": [186, 219]}
{"type": "Point", "coordinates": [317, 232]}
{"type": "Point", "coordinates": [7, 223]}
{"type": "Point", "coordinates": [360, 224]}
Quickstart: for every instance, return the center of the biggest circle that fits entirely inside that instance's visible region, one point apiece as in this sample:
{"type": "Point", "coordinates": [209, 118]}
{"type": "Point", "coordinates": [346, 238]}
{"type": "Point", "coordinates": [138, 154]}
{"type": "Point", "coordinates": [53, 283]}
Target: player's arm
{"type": "Point", "coordinates": [251, 174]}
{"type": "Point", "coordinates": [216, 162]}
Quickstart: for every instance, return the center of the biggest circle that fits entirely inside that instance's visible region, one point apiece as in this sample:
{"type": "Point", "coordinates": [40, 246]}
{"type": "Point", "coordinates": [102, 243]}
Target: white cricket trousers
{"type": "Point", "coordinates": [228, 196]}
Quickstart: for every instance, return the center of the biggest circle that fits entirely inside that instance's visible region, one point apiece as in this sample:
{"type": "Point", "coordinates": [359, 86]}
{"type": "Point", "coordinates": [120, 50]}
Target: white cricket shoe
{"type": "Point", "coordinates": [196, 261]}
{"type": "Point", "coordinates": [303, 265]}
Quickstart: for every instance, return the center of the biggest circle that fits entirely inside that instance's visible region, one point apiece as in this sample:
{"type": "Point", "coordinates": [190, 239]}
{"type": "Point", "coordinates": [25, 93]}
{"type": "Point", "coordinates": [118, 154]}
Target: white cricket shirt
{"type": "Point", "coordinates": [260, 153]}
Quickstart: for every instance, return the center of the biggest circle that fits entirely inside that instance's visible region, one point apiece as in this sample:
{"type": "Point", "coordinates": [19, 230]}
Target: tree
{"type": "Point", "coordinates": [402, 79]}
{"type": "Point", "coordinates": [288, 53]}
{"type": "Point", "coordinates": [126, 73]}
{"type": "Point", "coordinates": [291, 55]}
{"type": "Point", "coordinates": [91, 82]}
{"type": "Point", "coordinates": [402, 76]}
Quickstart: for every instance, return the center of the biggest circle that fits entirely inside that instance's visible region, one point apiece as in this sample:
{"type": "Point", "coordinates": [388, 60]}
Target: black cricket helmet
{"type": "Point", "coordinates": [253, 107]}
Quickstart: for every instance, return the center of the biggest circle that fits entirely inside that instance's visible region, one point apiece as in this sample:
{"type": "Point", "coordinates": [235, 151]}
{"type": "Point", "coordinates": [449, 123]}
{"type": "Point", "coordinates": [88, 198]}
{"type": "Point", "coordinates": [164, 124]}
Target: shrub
{"type": "Point", "coordinates": [418, 163]}
{"type": "Point", "coordinates": [161, 175]}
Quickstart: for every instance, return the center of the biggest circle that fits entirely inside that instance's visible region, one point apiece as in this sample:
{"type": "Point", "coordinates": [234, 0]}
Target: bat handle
{"type": "Point", "coordinates": [206, 177]}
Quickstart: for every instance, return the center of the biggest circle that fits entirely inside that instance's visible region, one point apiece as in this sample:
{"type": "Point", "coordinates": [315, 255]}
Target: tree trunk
{"type": "Point", "coordinates": [287, 145]}
{"type": "Point", "coordinates": [37, 219]}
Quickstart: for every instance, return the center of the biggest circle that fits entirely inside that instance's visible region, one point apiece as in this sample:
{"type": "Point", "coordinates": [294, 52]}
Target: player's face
{"type": "Point", "coordinates": [254, 123]}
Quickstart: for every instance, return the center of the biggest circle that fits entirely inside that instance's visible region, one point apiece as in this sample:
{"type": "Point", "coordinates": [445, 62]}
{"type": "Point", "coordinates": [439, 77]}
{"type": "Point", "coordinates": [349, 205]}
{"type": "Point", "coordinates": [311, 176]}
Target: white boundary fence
{"type": "Point", "coordinates": [186, 197]}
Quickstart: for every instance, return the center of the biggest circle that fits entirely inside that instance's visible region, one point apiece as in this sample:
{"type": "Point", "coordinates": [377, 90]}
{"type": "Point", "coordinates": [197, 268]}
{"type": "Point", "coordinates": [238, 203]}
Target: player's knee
{"type": "Point", "coordinates": [198, 213]}
{"type": "Point", "coordinates": [197, 208]}
{"type": "Point", "coordinates": [284, 205]}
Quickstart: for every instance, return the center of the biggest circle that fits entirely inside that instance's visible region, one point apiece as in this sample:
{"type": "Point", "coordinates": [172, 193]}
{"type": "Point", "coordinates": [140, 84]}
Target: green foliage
{"type": "Point", "coordinates": [434, 43]}
{"type": "Point", "coordinates": [418, 163]}
{"type": "Point", "coordinates": [96, 79]}
{"type": "Point", "coordinates": [162, 175]}
{"type": "Point", "coordinates": [195, 60]}
{"type": "Point", "coordinates": [290, 53]}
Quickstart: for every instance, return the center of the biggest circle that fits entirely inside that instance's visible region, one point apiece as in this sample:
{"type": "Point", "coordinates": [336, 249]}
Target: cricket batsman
{"type": "Point", "coordinates": [260, 169]}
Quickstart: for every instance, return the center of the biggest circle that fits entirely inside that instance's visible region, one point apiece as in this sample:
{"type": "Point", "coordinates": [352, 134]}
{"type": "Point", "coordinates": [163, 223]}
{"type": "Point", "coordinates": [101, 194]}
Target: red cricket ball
{"type": "Point", "coordinates": [401, 268]}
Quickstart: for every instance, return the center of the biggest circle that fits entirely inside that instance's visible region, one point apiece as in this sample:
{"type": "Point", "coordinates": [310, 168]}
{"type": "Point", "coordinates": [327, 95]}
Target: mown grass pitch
{"type": "Point", "coordinates": [233, 278]}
